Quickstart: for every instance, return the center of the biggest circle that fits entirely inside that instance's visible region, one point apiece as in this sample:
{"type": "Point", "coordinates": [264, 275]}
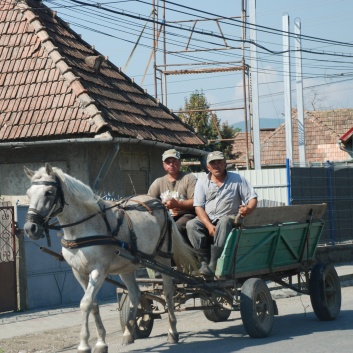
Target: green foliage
{"type": "Point", "coordinates": [206, 123]}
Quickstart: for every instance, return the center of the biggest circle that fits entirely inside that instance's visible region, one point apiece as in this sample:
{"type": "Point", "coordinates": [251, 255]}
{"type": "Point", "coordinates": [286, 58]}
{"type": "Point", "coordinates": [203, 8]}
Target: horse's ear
{"type": "Point", "coordinates": [49, 169]}
{"type": "Point", "coordinates": [28, 172]}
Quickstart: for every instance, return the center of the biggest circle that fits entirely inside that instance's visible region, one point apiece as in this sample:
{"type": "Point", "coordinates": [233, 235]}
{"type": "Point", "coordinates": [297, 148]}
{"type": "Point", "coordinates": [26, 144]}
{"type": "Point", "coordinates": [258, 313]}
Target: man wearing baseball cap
{"type": "Point", "coordinates": [176, 190]}
{"type": "Point", "coordinates": [218, 199]}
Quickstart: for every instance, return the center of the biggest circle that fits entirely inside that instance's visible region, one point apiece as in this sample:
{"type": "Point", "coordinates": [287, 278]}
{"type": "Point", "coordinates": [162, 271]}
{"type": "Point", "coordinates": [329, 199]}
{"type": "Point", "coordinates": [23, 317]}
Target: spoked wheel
{"type": "Point", "coordinates": [325, 291]}
{"type": "Point", "coordinates": [215, 314]}
{"type": "Point", "coordinates": [256, 308]}
{"type": "Point", "coordinates": [143, 322]}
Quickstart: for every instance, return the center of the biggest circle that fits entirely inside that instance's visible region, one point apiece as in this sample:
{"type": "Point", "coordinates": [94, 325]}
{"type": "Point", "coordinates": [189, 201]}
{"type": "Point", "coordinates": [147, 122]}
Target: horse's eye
{"type": "Point", "coordinates": [49, 193]}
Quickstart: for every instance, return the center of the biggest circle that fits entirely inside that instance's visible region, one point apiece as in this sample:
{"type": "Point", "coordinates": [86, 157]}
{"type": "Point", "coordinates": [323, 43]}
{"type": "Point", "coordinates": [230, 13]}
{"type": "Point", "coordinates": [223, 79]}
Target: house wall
{"type": "Point", "coordinates": [134, 168]}
{"type": "Point", "coordinates": [135, 165]}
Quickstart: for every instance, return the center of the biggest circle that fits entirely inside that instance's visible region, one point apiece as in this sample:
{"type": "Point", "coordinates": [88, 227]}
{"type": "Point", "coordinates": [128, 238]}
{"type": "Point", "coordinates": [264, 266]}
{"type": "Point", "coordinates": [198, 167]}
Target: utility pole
{"type": "Point", "coordinates": [254, 85]}
{"type": "Point", "coordinates": [300, 100]}
{"type": "Point", "coordinates": [287, 87]}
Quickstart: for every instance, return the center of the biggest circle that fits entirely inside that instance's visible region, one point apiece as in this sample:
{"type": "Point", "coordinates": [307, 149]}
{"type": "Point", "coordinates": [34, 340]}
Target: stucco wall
{"type": "Point", "coordinates": [84, 162]}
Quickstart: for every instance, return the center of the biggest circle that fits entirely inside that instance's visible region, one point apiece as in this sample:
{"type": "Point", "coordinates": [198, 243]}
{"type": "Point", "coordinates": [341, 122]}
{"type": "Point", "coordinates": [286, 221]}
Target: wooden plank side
{"type": "Point", "coordinates": [283, 214]}
{"type": "Point", "coordinates": [268, 248]}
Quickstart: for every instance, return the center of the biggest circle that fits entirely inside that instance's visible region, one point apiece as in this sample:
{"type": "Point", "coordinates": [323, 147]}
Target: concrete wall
{"type": "Point", "coordinates": [335, 254]}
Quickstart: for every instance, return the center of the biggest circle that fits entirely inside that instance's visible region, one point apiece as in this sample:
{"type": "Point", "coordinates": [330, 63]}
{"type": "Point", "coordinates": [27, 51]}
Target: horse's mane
{"type": "Point", "coordinates": [82, 192]}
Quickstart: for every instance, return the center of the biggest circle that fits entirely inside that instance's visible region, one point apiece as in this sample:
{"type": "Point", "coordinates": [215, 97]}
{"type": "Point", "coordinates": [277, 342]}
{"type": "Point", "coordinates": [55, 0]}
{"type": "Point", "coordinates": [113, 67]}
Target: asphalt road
{"type": "Point", "coordinates": [296, 329]}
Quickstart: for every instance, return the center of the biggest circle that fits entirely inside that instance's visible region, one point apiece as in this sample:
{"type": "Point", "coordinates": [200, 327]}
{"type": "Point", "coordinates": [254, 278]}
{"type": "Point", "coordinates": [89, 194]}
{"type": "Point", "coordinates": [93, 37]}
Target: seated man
{"type": "Point", "coordinates": [176, 190]}
{"type": "Point", "coordinates": [219, 197]}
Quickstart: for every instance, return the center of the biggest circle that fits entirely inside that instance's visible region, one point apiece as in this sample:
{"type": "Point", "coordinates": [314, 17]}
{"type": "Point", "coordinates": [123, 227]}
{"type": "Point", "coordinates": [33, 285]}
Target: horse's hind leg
{"type": "Point", "coordinates": [168, 289]}
{"type": "Point", "coordinates": [134, 296]}
{"type": "Point", "coordinates": [91, 285]}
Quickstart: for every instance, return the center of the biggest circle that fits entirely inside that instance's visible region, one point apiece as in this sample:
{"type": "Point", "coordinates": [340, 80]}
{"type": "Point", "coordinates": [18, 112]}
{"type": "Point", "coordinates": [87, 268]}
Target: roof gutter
{"type": "Point", "coordinates": [105, 139]}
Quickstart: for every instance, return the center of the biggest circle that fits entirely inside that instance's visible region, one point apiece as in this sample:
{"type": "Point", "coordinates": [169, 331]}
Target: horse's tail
{"type": "Point", "coordinates": [183, 254]}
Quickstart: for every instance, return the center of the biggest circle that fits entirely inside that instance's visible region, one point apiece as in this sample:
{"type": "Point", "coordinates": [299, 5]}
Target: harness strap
{"type": "Point", "coordinates": [52, 226]}
{"type": "Point", "coordinates": [119, 222]}
{"type": "Point", "coordinates": [143, 204]}
{"type": "Point", "coordinates": [132, 234]}
{"type": "Point", "coordinates": [104, 216]}
{"type": "Point", "coordinates": [104, 240]}
{"type": "Point", "coordinates": [93, 240]}
{"type": "Point", "coordinates": [167, 229]}
{"type": "Point", "coordinates": [167, 255]}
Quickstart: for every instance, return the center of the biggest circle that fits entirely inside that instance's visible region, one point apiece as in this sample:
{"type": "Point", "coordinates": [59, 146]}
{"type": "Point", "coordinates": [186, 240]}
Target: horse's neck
{"type": "Point", "coordinates": [75, 212]}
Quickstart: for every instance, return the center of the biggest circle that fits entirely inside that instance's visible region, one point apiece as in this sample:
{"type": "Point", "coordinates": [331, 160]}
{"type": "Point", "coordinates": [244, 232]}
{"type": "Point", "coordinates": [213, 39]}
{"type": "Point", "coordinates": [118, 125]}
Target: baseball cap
{"type": "Point", "coordinates": [216, 155]}
{"type": "Point", "coordinates": [170, 154]}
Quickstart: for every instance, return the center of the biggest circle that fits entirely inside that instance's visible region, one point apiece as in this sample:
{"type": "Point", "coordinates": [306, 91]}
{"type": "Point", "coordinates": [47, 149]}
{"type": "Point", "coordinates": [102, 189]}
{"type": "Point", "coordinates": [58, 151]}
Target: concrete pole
{"type": "Point", "coordinates": [287, 88]}
{"type": "Point", "coordinates": [299, 86]}
{"type": "Point", "coordinates": [243, 18]}
{"type": "Point", "coordinates": [165, 102]}
{"type": "Point", "coordinates": [254, 84]}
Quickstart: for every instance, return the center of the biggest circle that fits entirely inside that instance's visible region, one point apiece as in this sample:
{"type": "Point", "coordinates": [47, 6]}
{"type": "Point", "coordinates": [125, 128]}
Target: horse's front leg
{"type": "Point", "coordinates": [91, 285]}
{"type": "Point", "coordinates": [134, 296]}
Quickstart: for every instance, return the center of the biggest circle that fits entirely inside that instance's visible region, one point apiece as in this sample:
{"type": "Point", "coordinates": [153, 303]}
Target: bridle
{"type": "Point", "coordinates": [35, 217]}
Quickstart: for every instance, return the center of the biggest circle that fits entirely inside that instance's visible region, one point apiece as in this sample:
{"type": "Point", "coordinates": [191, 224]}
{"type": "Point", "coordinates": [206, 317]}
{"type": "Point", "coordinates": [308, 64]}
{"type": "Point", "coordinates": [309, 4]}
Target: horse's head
{"type": "Point", "coordinates": [46, 200]}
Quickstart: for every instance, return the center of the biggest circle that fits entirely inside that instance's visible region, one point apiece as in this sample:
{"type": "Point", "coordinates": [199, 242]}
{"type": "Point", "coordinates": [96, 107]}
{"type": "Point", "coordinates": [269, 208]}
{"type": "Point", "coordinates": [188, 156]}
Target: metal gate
{"type": "Point", "coordinates": [8, 292]}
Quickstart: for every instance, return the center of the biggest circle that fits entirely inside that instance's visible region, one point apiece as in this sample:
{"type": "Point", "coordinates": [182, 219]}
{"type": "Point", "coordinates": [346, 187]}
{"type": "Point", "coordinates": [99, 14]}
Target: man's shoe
{"type": "Point", "coordinates": [197, 272]}
{"type": "Point", "coordinates": [209, 270]}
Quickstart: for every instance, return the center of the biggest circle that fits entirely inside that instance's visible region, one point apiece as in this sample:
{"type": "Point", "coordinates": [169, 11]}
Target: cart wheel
{"type": "Point", "coordinates": [215, 315]}
{"type": "Point", "coordinates": [325, 291]}
{"type": "Point", "coordinates": [256, 308]}
{"type": "Point", "coordinates": [144, 322]}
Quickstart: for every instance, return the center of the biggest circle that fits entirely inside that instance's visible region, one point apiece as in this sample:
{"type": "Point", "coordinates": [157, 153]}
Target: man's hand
{"type": "Point", "coordinates": [245, 210]}
{"type": "Point", "coordinates": [173, 203]}
{"type": "Point", "coordinates": [211, 229]}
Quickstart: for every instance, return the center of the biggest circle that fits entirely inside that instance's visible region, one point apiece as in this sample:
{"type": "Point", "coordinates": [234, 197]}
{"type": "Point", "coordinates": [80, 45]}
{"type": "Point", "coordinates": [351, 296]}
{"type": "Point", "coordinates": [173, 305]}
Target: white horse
{"type": "Point", "coordinates": [91, 225]}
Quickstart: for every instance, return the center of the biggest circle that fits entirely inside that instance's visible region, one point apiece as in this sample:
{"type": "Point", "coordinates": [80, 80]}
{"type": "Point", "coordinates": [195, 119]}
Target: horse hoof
{"type": "Point", "coordinates": [173, 338]}
{"type": "Point", "coordinates": [127, 340]}
{"type": "Point", "coordinates": [84, 350]}
{"type": "Point", "coordinates": [100, 349]}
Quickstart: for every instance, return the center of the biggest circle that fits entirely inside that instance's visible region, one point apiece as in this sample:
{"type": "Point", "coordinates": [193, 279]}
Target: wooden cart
{"type": "Point", "coordinates": [274, 244]}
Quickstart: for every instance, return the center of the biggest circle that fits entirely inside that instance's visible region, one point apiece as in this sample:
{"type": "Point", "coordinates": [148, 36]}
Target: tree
{"type": "Point", "coordinates": [198, 115]}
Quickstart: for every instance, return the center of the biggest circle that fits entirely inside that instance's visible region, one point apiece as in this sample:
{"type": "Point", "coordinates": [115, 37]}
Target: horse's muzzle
{"type": "Point", "coordinates": [33, 230]}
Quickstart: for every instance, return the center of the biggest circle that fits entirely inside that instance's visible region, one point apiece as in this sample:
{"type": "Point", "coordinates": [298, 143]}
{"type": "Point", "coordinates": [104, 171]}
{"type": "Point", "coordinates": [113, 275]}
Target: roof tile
{"type": "Point", "coordinates": [42, 90]}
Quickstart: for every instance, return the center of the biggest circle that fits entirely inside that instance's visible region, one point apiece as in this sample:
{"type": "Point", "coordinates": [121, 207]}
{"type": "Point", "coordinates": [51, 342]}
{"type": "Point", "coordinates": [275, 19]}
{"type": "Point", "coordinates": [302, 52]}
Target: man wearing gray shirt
{"type": "Point", "coordinates": [218, 198]}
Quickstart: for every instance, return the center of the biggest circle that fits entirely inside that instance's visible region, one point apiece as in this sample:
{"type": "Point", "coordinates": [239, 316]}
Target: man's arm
{"type": "Point", "coordinates": [182, 204]}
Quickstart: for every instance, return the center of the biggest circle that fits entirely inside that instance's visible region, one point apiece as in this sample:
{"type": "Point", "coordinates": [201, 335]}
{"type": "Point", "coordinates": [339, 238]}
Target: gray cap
{"type": "Point", "coordinates": [216, 155]}
{"type": "Point", "coordinates": [170, 154]}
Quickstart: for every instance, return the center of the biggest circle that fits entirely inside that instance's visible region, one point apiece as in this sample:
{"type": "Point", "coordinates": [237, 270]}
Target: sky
{"type": "Point", "coordinates": [123, 31]}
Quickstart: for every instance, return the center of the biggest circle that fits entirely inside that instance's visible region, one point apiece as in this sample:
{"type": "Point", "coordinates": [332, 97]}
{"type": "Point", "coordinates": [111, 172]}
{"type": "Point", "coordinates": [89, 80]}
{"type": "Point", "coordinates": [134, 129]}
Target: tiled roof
{"type": "Point", "coordinates": [347, 136]}
{"type": "Point", "coordinates": [322, 130]}
{"type": "Point", "coordinates": [50, 88]}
